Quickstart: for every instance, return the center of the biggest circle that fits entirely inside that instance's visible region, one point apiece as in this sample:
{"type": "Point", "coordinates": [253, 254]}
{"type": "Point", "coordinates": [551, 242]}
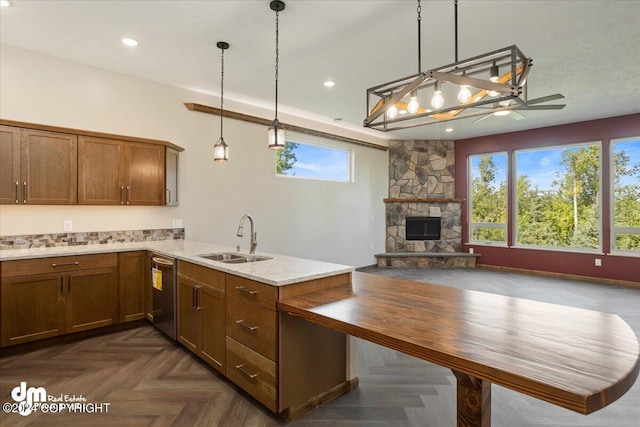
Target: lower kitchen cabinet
{"type": "Point", "coordinates": [45, 297]}
{"type": "Point", "coordinates": [132, 271]}
{"type": "Point", "coordinates": [201, 312]}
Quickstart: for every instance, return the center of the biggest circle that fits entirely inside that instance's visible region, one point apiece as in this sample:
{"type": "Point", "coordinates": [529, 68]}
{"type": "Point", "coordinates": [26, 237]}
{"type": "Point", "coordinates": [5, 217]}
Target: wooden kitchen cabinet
{"type": "Point", "coordinates": [132, 271]}
{"type": "Point", "coordinates": [33, 308]}
{"type": "Point", "coordinates": [45, 297]}
{"type": "Point", "coordinates": [113, 172]}
{"type": "Point", "coordinates": [201, 313]}
{"type": "Point", "coordinates": [44, 169]}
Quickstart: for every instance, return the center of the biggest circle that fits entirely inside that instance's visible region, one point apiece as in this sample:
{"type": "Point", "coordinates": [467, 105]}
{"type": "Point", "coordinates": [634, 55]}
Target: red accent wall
{"type": "Point", "coordinates": [581, 264]}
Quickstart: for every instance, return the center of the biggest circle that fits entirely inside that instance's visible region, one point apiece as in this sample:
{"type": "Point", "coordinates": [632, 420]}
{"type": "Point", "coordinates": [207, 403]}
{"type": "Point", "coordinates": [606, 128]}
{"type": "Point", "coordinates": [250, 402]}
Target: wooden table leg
{"type": "Point", "coordinates": [474, 401]}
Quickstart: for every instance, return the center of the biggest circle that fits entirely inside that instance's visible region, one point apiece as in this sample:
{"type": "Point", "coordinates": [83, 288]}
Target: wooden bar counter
{"type": "Point", "coordinates": [579, 359]}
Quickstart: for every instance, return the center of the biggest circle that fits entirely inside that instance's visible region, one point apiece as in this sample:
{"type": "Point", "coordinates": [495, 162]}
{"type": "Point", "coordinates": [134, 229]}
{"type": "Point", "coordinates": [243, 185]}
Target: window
{"type": "Point", "coordinates": [558, 197]}
{"type": "Point", "coordinates": [488, 198]}
{"type": "Point", "coordinates": [625, 169]}
{"type": "Point", "coordinates": [313, 161]}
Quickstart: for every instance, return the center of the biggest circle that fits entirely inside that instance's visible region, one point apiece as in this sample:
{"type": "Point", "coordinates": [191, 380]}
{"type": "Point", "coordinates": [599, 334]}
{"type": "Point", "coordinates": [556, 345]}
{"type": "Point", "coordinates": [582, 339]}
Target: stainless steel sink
{"type": "Point", "coordinates": [233, 258]}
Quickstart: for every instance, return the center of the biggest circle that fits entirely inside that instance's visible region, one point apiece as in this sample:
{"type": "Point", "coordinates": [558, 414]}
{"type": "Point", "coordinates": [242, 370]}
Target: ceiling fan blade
{"type": "Point", "coordinates": [545, 99]}
{"type": "Point", "coordinates": [482, 118]}
{"type": "Point", "coordinates": [544, 107]}
{"type": "Point", "coordinates": [516, 116]}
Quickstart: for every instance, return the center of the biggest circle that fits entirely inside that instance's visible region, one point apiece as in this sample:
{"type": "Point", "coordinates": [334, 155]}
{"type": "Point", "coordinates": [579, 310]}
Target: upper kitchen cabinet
{"type": "Point", "coordinates": [112, 172]}
{"type": "Point", "coordinates": [39, 167]}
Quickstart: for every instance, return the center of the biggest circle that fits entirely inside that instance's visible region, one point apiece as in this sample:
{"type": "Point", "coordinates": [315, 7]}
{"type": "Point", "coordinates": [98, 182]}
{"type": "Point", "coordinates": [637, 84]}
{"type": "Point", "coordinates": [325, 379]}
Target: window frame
{"type": "Point", "coordinates": [514, 172]}
{"type": "Point", "coordinates": [493, 225]}
{"type": "Point", "coordinates": [615, 230]}
{"type": "Point", "coordinates": [303, 141]}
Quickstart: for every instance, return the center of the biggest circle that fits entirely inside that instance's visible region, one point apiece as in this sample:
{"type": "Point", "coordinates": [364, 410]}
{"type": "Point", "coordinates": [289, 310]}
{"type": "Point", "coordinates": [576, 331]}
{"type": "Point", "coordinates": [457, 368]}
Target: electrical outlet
{"type": "Point", "coordinates": [598, 262]}
{"type": "Point", "coordinates": [372, 246]}
{"type": "Point", "coordinates": [67, 225]}
{"type": "Point", "coordinates": [177, 223]}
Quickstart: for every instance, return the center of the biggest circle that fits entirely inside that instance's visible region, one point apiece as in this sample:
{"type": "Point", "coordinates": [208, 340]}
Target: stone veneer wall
{"type": "Point", "coordinates": [421, 169]}
{"type": "Point", "coordinates": [88, 238]}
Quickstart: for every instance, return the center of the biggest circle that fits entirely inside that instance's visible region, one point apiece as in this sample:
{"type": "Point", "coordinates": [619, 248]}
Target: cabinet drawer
{"type": "Point", "coordinates": [57, 264]}
{"type": "Point", "coordinates": [252, 325]}
{"type": "Point", "coordinates": [252, 372]}
{"type": "Point", "coordinates": [250, 290]}
{"type": "Point", "coordinates": [200, 274]}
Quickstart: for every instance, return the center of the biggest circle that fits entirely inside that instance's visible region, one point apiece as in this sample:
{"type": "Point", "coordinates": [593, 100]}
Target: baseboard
{"type": "Point", "coordinates": [561, 275]}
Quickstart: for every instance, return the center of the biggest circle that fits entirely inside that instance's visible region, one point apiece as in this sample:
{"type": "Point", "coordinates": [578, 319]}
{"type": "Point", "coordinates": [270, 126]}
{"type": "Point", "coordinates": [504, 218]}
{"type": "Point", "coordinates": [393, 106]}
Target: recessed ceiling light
{"type": "Point", "coordinates": [329, 83]}
{"type": "Point", "coordinates": [129, 42]}
{"type": "Point", "coordinates": [4, 3]}
{"type": "Point", "coordinates": [502, 113]}
{"type": "Point", "coordinates": [448, 130]}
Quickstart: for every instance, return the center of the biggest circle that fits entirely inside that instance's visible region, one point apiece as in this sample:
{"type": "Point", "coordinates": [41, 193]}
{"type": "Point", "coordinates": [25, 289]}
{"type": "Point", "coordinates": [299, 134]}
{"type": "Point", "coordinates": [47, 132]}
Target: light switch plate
{"type": "Point", "coordinates": [68, 225]}
{"type": "Point", "coordinates": [177, 223]}
{"type": "Point", "coordinates": [598, 262]}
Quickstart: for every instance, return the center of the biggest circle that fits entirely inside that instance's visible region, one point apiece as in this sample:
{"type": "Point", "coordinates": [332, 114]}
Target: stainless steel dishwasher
{"type": "Point", "coordinates": [163, 282]}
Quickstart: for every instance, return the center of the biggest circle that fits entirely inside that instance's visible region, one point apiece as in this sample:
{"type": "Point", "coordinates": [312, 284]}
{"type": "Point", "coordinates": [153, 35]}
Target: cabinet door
{"type": "Point", "coordinates": [91, 299]}
{"type": "Point", "coordinates": [101, 167]}
{"type": "Point", "coordinates": [213, 327]}
{"type": "Point", "coordinates": [49, 167]}
{"type": "Point", "coordinates": [144, 175]}
{"type": "Point", "coordinates": [171, 180]}
{"type": "Point", "coordinates": [132, 272]}
{"type": "Point", "coordinates": [32, 308]}
{"type": "Point", "coordinates": [9, 165]}
{"type": "Point", "coordinates": [189, 315]}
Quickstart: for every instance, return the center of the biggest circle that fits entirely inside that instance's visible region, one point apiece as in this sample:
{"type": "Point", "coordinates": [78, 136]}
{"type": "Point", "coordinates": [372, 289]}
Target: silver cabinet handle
{"type": "Point", "coordinates": [244, 325]}
{"type": "Point", "coordinates": [168, 190]}
{"type": "Point", "coordinates": [128, 194]}
{"type": "Point", "coordinates": [122, 195]}
{"type": "Point", "coordinates": [245, 290]}
{"type": "Point", "coordinates": [241, 369]}
{"type": "Point", "coordinates": [24, 192]}
{"type": "Point", "coordinates": [17, 192]}
{"type": "Point", "coordinates": [196, 303]}
{"type": "Point", "coordinates": [66, 263]}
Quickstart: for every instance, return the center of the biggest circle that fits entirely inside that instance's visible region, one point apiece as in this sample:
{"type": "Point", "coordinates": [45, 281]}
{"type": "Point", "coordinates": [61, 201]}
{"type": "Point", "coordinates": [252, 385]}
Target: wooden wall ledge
{"type": "Point", "coordinates": [422, 200]}
{"type": "Point", "coordinates": [293, 128]}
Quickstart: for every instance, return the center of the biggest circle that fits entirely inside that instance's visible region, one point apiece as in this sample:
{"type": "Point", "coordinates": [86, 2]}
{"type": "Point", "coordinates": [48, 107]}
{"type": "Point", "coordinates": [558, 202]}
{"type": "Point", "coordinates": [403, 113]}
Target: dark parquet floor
{"type": "Point", "coordinates": [149, 381]}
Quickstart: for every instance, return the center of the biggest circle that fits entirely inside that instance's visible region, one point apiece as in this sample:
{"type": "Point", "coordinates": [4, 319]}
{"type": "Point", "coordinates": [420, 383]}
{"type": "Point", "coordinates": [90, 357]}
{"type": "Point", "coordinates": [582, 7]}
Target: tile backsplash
{"type": "Point", "coordinates": [27, 241]}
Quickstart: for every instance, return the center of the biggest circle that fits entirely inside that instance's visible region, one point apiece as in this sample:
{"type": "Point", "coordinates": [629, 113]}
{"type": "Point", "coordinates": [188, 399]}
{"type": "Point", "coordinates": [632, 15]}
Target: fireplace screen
{"type": "Point", "coordinates": [422, 228]}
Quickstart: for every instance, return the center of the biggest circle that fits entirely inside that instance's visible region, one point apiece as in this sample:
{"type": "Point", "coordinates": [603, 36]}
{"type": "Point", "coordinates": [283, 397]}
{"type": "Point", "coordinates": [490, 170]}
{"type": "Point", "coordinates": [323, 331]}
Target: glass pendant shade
{"type": "Point", "coordinates": [220, 151]}
{"type": "Point", "coordinates": [276, 136]}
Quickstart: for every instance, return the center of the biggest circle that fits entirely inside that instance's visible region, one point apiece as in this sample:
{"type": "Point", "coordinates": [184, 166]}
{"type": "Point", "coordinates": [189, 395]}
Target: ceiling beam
{"type": "Point", "coordinates": [289, 127]}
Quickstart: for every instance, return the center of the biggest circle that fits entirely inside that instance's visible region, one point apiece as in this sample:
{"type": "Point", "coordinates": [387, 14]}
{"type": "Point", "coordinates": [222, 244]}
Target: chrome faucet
{"type": "Point", "coordinates": [254, 235]}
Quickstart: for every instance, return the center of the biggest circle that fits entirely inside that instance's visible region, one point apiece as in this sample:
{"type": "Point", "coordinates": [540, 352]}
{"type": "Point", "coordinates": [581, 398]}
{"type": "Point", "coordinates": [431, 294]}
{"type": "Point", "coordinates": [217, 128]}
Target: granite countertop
{"type": "Point", "coordinates": [278, 271]}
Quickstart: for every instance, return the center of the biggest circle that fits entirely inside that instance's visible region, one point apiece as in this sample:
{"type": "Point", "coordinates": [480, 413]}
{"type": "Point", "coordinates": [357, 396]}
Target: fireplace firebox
{"type": "Point", "coordinates": [422, 228]}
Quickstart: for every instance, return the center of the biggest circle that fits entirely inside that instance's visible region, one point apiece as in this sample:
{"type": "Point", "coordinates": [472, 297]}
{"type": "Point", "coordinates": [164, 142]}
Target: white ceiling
{"type": "Point", "coordinates": [587, 50]}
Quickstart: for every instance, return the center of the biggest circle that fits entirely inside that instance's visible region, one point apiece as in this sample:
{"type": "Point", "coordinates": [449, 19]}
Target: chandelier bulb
{"type": "Point", "coordinates": [464, 95]}
{"type": "Point", "coordinates": [494, 74]}
{"type": "Point", "coordinates": [413, 105]}
{"type": "Point", "coordinates": [437, 101]}
{"type": "Point", "coordinates": [392, 112]}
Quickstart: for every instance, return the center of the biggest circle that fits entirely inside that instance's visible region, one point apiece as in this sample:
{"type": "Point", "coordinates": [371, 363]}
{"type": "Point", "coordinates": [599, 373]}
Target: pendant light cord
{"type": "Point", "coordinates": [277, 60]}
{"type": "Point", "coordinates": [221, 90]}
{"type": "Point", "coordinates": [455, 13]}
{"type": "Point", "coordinates": [419, 39]}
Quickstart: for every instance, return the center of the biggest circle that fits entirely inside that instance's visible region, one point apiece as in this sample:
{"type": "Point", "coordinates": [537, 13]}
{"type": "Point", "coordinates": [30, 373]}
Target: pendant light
{"type": "Point", "coordinates": [494, 72]}
{"type": "Point", "coordinates": [275, 132]}
{"type": "Point", "coordinates": [221, 149]}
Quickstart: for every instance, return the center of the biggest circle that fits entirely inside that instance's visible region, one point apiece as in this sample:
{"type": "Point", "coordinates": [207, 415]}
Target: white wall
{"type": "Point", "coordinates": [336, 222]}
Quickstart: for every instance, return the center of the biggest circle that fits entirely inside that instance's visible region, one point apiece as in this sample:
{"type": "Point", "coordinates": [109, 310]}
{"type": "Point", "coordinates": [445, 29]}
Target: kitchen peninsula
{"type": "Point", "coordinates": [226, 312]}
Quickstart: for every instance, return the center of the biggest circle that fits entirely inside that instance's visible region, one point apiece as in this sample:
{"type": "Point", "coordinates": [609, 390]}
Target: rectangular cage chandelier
{"type": "Point", "coordinates": [488, 83]}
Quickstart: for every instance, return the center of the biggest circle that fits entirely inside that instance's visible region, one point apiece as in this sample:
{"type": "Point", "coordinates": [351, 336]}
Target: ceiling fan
{"type": "Point", "coordinates": [531, 105]}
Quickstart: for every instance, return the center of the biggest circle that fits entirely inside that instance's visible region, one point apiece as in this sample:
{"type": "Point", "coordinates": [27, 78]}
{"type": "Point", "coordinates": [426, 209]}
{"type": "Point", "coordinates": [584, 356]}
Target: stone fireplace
{"type": "Point", "coordinates": [422, 185]}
